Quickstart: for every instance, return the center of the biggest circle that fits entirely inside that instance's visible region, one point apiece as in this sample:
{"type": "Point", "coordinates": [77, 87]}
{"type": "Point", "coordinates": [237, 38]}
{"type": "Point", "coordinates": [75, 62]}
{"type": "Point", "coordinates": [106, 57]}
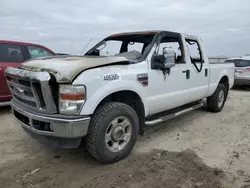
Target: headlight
{"type": "Point", "coordinates": [71, 99]}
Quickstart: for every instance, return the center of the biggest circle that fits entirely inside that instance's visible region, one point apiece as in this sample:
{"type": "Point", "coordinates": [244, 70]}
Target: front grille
{"type": "Point", "coordinates": [36, 124]}
{"type": "Point", "coordinates": [38, 89]}
{"type": "Point", "coordinates": [22, 90]}
{"type": "Point", "coordinates": [30, 103]}
{"type": "Point", "coordinates": [32, 89]}
{"type": "Point", "coordinates": [22, 118]}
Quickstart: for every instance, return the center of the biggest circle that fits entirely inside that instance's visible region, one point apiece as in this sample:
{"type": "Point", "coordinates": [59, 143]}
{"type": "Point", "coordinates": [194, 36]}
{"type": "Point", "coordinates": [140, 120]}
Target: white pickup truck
{"type": "Point", "coordinates": [104, 99]}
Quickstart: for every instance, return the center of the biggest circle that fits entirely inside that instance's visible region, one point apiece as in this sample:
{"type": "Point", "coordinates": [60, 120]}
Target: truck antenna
{"type": "Point", "coordinates": [86, 46]}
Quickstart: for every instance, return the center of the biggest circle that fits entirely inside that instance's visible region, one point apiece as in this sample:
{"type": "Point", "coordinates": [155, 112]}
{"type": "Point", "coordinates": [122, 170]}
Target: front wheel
{"type": "Point", "coordinates": [112, 133]}
{"type": "Point", "coordinates": [216, 102]}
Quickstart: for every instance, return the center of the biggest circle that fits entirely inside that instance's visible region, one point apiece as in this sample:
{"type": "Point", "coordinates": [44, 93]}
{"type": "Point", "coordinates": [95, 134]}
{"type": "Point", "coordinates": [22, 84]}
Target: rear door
{"type": "Point", "coordinates": [199, 68]}
{"type": "Point", "coordinates": [10, 55]}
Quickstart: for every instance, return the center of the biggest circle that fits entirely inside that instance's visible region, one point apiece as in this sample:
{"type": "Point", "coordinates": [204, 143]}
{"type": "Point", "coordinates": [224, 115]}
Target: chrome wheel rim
{"type": "Point", "coordinates": [118, 134]}
{"type": "Point", "coordinates": [220, 98]}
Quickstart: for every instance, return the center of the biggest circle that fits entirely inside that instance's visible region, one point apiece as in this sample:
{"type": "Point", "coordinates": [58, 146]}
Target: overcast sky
{"type": "Point", "coordinates": [68, 25]}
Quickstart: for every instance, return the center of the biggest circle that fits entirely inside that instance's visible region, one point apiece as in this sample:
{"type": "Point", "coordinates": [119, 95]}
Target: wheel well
{"type": "Point", "coordinates": [133, 100]}
{"type": "Point", "coordinates": [224, 80]}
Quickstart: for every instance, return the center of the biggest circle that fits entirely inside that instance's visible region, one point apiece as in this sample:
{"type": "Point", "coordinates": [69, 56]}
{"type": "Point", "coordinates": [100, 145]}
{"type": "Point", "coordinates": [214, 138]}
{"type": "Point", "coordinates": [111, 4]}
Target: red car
{"type": "Point", "coordinates": [13, 54]}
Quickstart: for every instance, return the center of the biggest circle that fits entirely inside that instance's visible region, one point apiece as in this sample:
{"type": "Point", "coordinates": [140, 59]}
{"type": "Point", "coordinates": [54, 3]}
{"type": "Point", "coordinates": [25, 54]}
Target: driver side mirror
{"type": "Point", "coordinates": [165, 61]}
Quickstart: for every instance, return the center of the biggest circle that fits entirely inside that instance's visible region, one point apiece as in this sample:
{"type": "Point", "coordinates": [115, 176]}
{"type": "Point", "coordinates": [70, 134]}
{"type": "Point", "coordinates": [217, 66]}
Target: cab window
{"type": "Point", "coordinates": [11, 53]}
{"type": "Point", "coordinates": [173, 44]}
{"type": "Point", "coordinates": [194, 51]}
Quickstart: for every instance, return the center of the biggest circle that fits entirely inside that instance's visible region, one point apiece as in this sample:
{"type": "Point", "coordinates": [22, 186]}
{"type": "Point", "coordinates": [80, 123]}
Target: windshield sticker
{"type": "Point", "coordinates": [111, 77]}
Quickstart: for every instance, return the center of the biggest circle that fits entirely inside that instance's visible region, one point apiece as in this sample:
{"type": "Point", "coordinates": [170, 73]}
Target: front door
{"type": "Point", "coordinates": [167, 91]}
{"type": "Point", "coordinates": [10, 56]}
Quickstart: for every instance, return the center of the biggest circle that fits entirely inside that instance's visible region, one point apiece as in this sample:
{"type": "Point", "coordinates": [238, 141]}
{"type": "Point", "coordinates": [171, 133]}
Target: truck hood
{"type": "Point", "coordinates": [66, 68]}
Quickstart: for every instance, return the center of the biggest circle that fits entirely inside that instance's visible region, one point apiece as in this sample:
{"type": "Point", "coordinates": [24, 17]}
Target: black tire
{"type": "Point", "coordinates": [103, 116]}
{"type": "Point", "coordinates": [212, 101]}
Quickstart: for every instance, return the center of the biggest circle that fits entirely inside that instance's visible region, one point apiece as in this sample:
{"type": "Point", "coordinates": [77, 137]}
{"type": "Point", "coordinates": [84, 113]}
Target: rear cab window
{"type": "Point", "coordinates": [35, 52]}
{"type": "Point", "coordinates": [11, 53]}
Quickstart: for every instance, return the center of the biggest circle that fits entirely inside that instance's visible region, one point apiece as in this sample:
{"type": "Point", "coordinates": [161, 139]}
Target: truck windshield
{"type": "Point", "coordinates": [130, 46]}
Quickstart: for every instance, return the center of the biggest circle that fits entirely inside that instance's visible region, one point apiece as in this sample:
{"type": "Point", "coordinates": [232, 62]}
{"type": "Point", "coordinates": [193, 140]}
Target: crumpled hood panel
{"type": "Point", "coordinates": [66, 68]}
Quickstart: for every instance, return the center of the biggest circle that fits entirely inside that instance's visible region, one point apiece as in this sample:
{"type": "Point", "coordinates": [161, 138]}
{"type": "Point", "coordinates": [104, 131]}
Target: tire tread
{"type": "Point", "coordinates": [96, 122]}
{"type": "Point", "coordinates": [212, 100]}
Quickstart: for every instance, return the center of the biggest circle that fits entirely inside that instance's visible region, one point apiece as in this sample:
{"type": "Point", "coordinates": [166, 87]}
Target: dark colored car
{"type": "Point", "coordinates": [13, 54]}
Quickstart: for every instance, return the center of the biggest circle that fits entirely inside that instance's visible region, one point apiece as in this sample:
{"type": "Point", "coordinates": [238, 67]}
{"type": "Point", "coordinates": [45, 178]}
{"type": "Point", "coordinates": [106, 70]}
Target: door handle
{"type": "Point", "coordinates": [206, 72]}
{"type": "Point", "coordinates": [187, 73]}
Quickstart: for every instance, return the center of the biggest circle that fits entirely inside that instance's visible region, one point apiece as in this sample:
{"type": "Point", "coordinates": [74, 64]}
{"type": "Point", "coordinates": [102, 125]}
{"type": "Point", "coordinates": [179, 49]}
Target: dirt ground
{"type": "Point", "coordinates": [199, 149]}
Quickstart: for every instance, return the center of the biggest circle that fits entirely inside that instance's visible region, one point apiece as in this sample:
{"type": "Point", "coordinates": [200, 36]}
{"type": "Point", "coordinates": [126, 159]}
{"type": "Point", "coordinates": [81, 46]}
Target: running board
{"type": "Point", "coordinates": [173, 115]}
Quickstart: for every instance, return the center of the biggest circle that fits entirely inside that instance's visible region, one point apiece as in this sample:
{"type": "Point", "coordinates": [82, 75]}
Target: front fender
{"type": "Point", "coordinates": [94, 98]}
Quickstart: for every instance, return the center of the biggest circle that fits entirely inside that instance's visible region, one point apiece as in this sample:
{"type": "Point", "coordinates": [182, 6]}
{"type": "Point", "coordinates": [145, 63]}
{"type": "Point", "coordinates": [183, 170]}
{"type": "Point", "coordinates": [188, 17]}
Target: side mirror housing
{"type": "Point", "coordinates": [165, 61]}
{"type": "Point", "coordinates": [169, 58]}
{"type": "Point", "coordinates": [157, 62]}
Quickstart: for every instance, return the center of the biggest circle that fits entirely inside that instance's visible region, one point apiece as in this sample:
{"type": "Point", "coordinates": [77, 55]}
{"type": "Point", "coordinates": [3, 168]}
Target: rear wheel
{"type": "Point", "coordinates": [112, 133]}
{"type": "Point", "coordinates": [216, 102]}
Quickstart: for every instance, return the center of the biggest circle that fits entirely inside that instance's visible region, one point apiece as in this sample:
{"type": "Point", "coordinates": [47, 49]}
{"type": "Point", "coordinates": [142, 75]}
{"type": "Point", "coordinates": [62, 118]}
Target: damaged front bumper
{"type": "Point", "coordinates": [55, 131]}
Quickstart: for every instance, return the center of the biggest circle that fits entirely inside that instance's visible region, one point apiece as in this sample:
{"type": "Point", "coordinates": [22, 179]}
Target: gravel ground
{"type": "Point", "coordinates": [199, 149]}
